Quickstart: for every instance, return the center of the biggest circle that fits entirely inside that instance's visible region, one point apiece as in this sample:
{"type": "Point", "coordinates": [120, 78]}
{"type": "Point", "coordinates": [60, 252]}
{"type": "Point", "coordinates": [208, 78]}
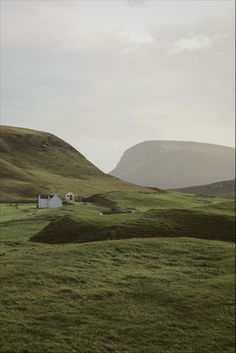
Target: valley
{"type": "Point", "coordinates": [117, 176]}
{"type": "Point", "coordinates": [127, 269]}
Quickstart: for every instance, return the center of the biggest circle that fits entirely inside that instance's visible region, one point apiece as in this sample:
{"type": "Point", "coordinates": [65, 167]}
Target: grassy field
{"type": "Point", "coordinates": [149, 295]}
{"type": "Point", "coordinates": [121, 215]}
{"type": "Point", "coordinates": [146, 295]}
{"type": "Point", "coordinates": [139, 214]}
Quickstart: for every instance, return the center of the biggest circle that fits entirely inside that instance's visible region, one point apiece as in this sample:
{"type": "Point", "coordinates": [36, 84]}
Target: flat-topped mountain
{"type": "Point", "coordinates": [176, 164]}
{"type": "Point", "coordinates": [34, 162]}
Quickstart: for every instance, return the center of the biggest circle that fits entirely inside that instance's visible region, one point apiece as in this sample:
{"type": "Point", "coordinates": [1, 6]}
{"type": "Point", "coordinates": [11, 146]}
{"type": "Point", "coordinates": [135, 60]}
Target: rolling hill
{"type": "Point", "coordinates": [121, 215]}
{"type": "Point", "coordinates": [221, 189]}
{"type": "Point", "coordinates": [139, 295]}
{"type": "Point", "coordinates": [34, 162]}
{"type": "Point", "coordinates": [176, 164]}
{"type": "Point", "coordinates": [163, 294]}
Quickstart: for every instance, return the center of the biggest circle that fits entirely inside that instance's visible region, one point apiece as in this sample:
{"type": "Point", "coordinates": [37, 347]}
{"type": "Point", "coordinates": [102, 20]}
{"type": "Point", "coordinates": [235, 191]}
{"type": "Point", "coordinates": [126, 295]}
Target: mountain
{"type": "Point", "coordinates": [34, 162]}
{"type": "Point", "coordinates": [176, 164]}
{"type": "Point", "coordinates": [220, 189]}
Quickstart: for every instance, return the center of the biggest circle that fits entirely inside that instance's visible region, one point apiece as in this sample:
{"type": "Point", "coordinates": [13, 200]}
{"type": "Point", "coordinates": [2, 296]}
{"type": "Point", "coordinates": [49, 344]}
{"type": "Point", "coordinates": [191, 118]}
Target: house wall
{"type": "Point", "coordinates": [55, 202]}
{"type": "Point", "coordinates": [68, 196]}
{"type": "Point", "coordinates": [43, 203]}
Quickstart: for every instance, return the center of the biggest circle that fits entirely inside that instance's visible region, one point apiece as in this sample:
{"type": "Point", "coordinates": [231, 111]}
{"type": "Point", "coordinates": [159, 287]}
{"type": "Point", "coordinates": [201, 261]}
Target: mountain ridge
{"type": "Point", "coordinates": [219, 189]}
{"type": "Point", "coordinates": [168, 164]}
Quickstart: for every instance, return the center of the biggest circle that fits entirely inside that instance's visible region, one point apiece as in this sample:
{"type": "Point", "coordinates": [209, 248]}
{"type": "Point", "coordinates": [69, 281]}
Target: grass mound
{"type": "Point", "coordinates": [62, 230]}
{"type": "Point", "coordinates": [153, 223]}
{"type": "Point", "coordinates": [101, 200]}
{"type": "Point", "coordinates": [112, 205]}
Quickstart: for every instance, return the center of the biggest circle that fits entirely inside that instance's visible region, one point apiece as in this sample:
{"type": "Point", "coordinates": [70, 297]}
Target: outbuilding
{"type": "Point", "coordinates": [69, 196]}
{"type": "Point", "coordinates": [50, 201]}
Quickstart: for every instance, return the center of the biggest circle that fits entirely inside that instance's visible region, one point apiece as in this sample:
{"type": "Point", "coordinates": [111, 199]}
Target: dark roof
{"type": "Point", "coordinates": [43, 196]}
{"type": "Point", "coordinates": [46, 196]}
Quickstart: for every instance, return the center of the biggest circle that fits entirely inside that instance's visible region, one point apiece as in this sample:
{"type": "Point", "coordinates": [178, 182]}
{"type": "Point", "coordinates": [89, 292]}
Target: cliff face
{"type": "Point", "coordinates": [176, 164]}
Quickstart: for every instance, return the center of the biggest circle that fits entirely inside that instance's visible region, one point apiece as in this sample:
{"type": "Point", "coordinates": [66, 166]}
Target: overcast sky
{"type": "Point", "coordinates": [105, 75]}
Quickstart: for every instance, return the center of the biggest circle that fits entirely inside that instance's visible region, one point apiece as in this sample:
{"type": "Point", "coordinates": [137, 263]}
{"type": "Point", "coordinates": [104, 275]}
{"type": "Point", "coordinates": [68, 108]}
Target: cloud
{"type": "Point", "coordinates": [195, 42]}
{"type": "Point", "coordinates": [191, 43]}
{"type": "Point", "coordinates": [136, 2]}
{"type": "Point", "coordinates": [98, 75]}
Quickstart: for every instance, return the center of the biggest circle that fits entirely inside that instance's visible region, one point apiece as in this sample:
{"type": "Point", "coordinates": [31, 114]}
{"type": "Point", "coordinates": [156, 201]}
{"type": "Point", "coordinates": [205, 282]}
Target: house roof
{"type": "Point", "coordinates": [46, 196]}
{"type": "Point", "coordinates": [43, 196]}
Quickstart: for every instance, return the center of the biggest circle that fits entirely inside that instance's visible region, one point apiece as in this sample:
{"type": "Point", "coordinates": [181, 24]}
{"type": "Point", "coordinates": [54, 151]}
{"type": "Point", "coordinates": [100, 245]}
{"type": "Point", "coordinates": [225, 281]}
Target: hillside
{"type": "Point", "coordinates": [176, 164]}
{"type": "Point", "coordinates": [122, 215]}
{"type": "Point", "coordinates": [220, 189]}
{"type": "Point", "coordinates": [127, 296]}
{"type": "Point", "coordinates": [159, 292]}
{"type": "Point", "coordinates": [34, 162]}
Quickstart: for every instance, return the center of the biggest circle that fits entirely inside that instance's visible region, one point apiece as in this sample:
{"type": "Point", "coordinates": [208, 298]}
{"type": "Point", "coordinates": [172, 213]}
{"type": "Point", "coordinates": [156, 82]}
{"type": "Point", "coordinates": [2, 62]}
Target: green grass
{"type": "Point", "coordinates": [153, 295]}
{"type": "Point", "coordinates": [34, 162]}
{"type": "Point", "coordinates": [147, 295]}
{"type": "Point", "coordinates": [166, 200]}
{"type": "Point", "coordinates": [154, 215]}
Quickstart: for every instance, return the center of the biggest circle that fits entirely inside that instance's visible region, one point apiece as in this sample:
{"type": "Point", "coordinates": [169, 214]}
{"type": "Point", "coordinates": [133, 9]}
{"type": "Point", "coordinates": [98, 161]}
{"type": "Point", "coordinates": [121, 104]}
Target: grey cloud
{"type": "Point", "coordinates": [103, 87]}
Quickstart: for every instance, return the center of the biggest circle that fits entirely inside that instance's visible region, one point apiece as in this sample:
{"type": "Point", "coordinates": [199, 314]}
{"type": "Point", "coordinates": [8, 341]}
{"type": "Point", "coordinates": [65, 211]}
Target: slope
{"type": "Point", "coordinates": [35, 162]}
{"type": "Point", "coordinates": [146, 295]}
{"type": "Point", "coordinates": [176, 164]}
{"type": "Point", "coordinates": [221, 189]}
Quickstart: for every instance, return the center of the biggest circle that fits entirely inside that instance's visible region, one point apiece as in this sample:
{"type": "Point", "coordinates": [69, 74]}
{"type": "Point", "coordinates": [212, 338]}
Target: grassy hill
{"type": "Point", "coordinates": [34, 162]}
{"type": "Point", "coordinates": [72, 281]}
{"type": "Point", "coordinates": [220, 189]}
{"type": "Point", "coordinates": [139, 295]}
{"type": "Point", "coordinates": [165, 295]}
{"type": "Point", "coordinates": [122, 215]}
{"type": "Point", "coordinates": [176, 164]}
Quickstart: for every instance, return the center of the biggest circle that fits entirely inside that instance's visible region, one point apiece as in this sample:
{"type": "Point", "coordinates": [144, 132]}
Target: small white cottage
{"type": "Point", "coordinates": [50, 201]}
{"type": "Point", "coordinates": [69, 196]}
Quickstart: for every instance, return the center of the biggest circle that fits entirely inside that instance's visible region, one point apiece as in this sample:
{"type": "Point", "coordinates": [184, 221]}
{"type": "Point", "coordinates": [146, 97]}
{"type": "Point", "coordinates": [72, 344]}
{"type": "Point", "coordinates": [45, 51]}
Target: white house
{"type": "Point", "coordinates": [50, 201]}
{"type": "Point", "coordinates": [69, 196]}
